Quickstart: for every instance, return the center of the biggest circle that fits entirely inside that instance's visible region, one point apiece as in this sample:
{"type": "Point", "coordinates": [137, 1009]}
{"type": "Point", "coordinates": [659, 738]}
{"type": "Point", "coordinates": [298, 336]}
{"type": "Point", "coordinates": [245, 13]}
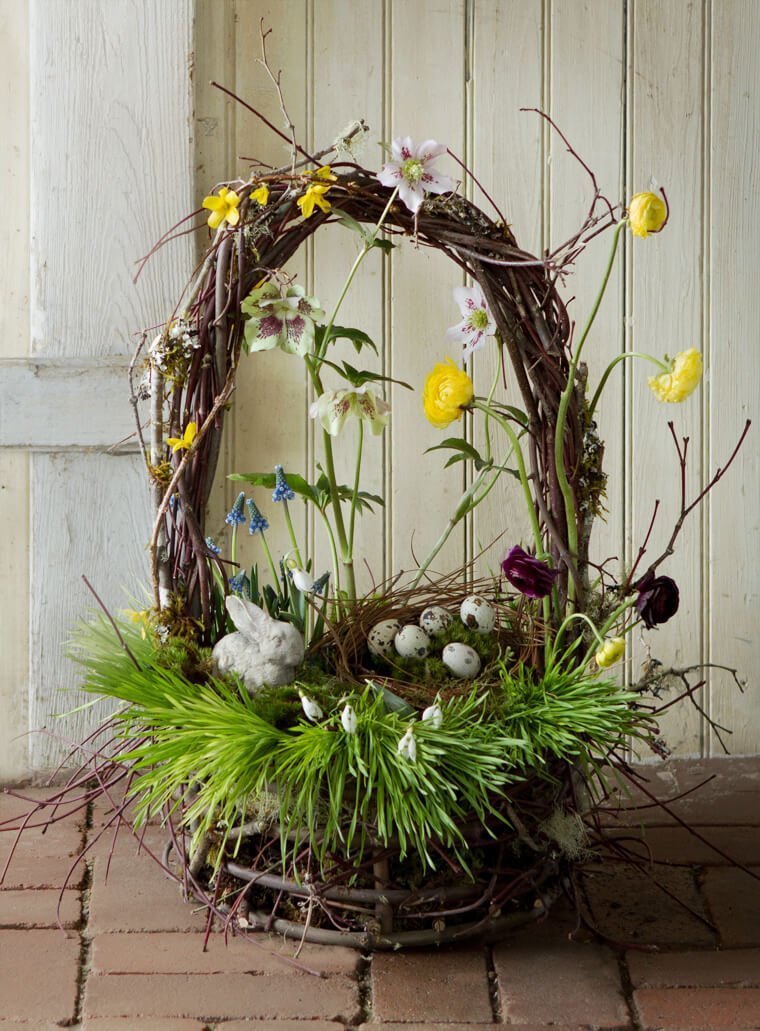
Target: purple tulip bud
{"type": "Point", "coordinates": [657, 600]}
{"type": "Point", "coordinates": [528, 574]}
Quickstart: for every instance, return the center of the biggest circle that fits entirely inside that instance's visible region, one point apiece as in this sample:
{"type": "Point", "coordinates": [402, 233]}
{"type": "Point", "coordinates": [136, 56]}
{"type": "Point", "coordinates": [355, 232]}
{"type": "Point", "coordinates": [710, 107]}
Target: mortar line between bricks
{"type": "Point", "coordinates": [85, 942]}
{"type": "Point", "coordinates": [626, 983]}
{"type": "Point", "coordinates": [493, 987]}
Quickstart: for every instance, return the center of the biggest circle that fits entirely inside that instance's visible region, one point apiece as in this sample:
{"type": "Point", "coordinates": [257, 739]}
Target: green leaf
{"type": "Point", "coordinates": [297, 483]}
{"type": "Point", "coordinates": [357, 337]}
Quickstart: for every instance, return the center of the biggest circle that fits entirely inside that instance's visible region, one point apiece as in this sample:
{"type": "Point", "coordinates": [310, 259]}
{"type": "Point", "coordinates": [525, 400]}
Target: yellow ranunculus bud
{"type": "Point", "coordinates": [682, 380]}
{"type": "Point", "coordinates": [610, 652]}
{"type": "Point", "coordinates": [647, 213]}
{"type": "Point", "coordinates": [447, 391]}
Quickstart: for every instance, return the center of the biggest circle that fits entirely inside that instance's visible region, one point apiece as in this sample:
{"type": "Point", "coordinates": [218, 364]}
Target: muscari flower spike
{"type": "Point", "coordinates": [258, 523]}
{"type": "Point", "coordinates": [281, 492]}
{"type": "Point", "coordinates": [239, 583]}
{"type": "Point", "coordinates": [212, 547]}
{"type": "Point", "coordinates": [236, 515]}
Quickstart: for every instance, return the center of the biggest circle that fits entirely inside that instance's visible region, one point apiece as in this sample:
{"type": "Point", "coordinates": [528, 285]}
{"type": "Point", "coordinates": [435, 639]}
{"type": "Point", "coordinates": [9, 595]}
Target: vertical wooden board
{"type": "Point", "coordinates": [110, 106]}
{"type": "Point", "coordinates": [586, 101]}
{"type": "Point", "coordinates": [271, 400]}
{"type": "Point", "coordinates": [507, 74]}
{"type": "Point", "coordinates": [90, 515]}
{"type": "Point", "coordinates": [734, 378]}
{"type": "Point", "coordinates": [667, 279]}
{"type": "Point", "coordinates": [14, 342]}
{"type": "Point", "coordinates": [427, 101]}
{"type": "Point", "coordinates": [348, 84]}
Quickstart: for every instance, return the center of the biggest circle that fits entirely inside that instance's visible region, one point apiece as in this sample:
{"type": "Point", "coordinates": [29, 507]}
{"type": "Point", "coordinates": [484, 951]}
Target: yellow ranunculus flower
{"type": "Point", "coordinates": [682, 380]}
{"type": "Point", "coordinates": [261, 195]}
{"type": "Point", "coordinates": [448, 390]}
{"type": "Point", "coordinates": [610, 652]}
{"type": "Point", "coordinates": [647, 213]}
{"type": "Point", "coordinates": [186, 440]}
{"type": "Point", "coordinates": [223, 208]}
{"type": "Point", "coordinates": [314, 197]}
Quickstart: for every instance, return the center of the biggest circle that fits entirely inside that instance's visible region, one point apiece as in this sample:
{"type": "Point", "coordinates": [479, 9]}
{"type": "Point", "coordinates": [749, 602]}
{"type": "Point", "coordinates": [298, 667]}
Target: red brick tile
{"type": "Point", "coordinates": [434, 1026]}
{"type": "Point", "coordinates": [627, 906]}
{"type": "Point", "coordinates": [676, 845]}
{"type": "Point", "coordinates": [39, 908]}
{"type": "Point", "coordinates": [699, 1009]}
{"type": "Point", "coordinates": [734, 968]}
{"type": "Point", "coordinates": [280, 1025]}
{"type": "Point", "coordinates": [156, 1024]}
{"type": "Point", "coordinates": [39, 859]}
{"type": "Point", "coordinates": [408, 986]}
{"type": "Point", "coordinates": [182, 953]}
{"type": "Point", "coordinates": [39, 975]}
{"type": "Point", "coordinates": [218, 996]}
{"type": "Point", "coordinates": [560, 984]}
{"type": "Point", "coordinates": [734, 900]}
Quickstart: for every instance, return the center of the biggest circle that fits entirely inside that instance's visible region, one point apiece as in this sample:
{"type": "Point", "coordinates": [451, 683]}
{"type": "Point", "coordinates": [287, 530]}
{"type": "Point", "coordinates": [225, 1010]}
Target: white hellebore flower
{"type": "Point", "coordinates": [348, 719]}
{"type": "Point", "coordinates": [434, 715]}
{"type": "Point", "coordinates": [411, 169]}
{"type": "Point", "coordinates": [477, 323]}
{"type": "Point", "coordinates": [407, 746]}
{"type": "Point", "coordinates": [312, 709]}
{"type": "Point", "coordinates": [334, 406]}
{"type": "Point", "coordinates": [281, 321]}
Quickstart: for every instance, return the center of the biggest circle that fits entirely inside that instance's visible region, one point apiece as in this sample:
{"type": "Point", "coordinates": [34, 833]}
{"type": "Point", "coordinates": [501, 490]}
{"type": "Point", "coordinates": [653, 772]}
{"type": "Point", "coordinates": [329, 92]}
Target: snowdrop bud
{"type": "Point", "coordinates": [407, 746]}
{"type": "Point", "coordinates": [434, 715]}
{"type": "Point", "coordinates": [311, 708]}
{"type": "Point", "coordinates": [302, 580]}
{"type": "Point", "coordinates": [348, 719]}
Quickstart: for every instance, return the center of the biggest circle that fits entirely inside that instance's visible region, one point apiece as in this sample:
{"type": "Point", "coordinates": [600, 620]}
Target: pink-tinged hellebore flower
{"type": "Point", "coordinates": [411, 169]}
{"type": "Point", "coordinates": [477, 322]}
{"type": "Point", "coordinates": [529, 575]}
{"type": "Point", "coordinates": [658, 599]}
{"type": "Point", "coordinates": [334, 406]}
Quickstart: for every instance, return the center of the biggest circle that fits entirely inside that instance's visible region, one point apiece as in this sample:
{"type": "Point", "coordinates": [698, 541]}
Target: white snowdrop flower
{"type": "Point", "coordinates": [348, 719]}
{"type": "Point", "coordinates": [312, 710]}
{"type": "Point", "coordinates": [302, 580]}
{"type": "Point", "coordinates": [407, 746]}
{"type": "Point", "coordinates": [434, 715]}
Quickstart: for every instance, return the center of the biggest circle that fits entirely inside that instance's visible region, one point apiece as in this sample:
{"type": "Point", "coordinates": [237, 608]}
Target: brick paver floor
{"type": "Point", "coordinates": [129, 952]}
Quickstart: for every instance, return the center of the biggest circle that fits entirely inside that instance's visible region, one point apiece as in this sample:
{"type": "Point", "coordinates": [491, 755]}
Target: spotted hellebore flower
{"type": "Point", "coordinates": [658, 599]}
{"type": "Point", "coordinates": [681, 380]}
{"type": "Point", "coordinates": [529, 575]}
{"type": "Point", "coordinates": [334, 406]}
{"type": "Point", "coordinates": [647, 213]}
{"type": "Point", "coordinates": [223, 207]}
{"type": "Point", "coordinates": [477, 321]}
{"type": "Point", "coordinates": [411, 169]}
{"type": "Point", "coordinates": [277, 320]}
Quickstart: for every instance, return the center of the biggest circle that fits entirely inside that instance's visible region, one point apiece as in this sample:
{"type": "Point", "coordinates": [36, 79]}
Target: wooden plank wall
{"type": "Point", "coordinates": [650, 94]}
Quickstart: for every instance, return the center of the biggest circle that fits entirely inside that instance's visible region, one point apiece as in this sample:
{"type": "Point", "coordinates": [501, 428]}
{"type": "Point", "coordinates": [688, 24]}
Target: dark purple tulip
{"type": "Point", "coordinates": [657, 600]}
{"type": "Point", "coordinates": [528, 574]}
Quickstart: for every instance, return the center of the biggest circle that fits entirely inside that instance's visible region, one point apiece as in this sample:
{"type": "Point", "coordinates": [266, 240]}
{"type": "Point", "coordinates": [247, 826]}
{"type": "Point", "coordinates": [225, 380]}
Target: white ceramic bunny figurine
{"type": "Point", "coordinates": [263, 651]}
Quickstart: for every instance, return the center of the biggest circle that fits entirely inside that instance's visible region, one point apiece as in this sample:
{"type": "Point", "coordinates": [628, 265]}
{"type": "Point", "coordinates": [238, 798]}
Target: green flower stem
{"type": "Point", "coordinates": [233, 544]}
{"type": "Point", "coordinates": [564, 404]}
{"type": "Point", "coordinates": [573, 617]}
{"type": "Point", "coordinates": [369, 242]}
{"type": "Point", "coordinates": [346, 555]}
{"type": "Point", "coordinates": [611, 366]}
{"type": "Point", "coordinates": [292, 533]}
{"type": "Point", "coordinates": [524, 483]}
{"type": "Point", "coordinates": [333, 549]}
{"type": "Point", "coordinates": [489, 399]}
{"type": "Point", "coordinates": [609, 624]}
{"type": "Point", "coordinates": [355, 494]}
{"type": "Point", "coordinates": [270, 560]}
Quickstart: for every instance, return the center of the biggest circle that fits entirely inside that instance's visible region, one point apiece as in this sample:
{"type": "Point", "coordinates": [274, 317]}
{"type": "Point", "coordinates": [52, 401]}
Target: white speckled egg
{"type": "Point", "coordinates": [435, 619]}
{"type": "Point", "coordinates": [461, 660]}
{"type": "Point", "coordinates": [412, 642]}
{"type": "Point", "coordinates": [477, 614]}
{"type": "Point", "coordinates": [381, 637]}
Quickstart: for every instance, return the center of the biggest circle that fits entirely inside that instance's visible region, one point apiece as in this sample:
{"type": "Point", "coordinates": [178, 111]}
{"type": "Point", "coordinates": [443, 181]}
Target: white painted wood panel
{"type": "Point", "coordinates": [666, 307]}
{"type": "Point", "coordinates": [732, 239]}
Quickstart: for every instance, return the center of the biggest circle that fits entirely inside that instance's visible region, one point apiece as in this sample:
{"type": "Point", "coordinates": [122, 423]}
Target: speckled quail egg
{"type": "Point", "coordinates": [461, 660]}
{"type": "Point", "coordinates": [412, 642]}
{"type": "Point", "coordinates": [381, 637]}
{"type": "Point", "coordinates": [435, 619]}
{"type": "Point", "coordinates": [476, 613]}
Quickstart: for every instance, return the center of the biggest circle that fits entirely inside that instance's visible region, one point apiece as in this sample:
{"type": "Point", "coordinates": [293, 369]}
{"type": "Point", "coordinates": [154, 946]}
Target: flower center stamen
{"type": "Point", "coordinates": [479, 319]}
{"type": "Point", "coordinates": [412, 170]}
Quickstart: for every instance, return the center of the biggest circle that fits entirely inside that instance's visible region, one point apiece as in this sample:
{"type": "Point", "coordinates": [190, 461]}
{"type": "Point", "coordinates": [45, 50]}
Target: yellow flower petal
{"type": "Point", "coordinates": [223, 208]}
{"type": "Point", "coordinates": [647, 213]}
{"type": "Point", "coordinates": [184, 442]}
{"type": "Point", "coordinates": [448, 390]}
{"type": "Point", "coordinates": [610, 652]}
{"type": "Point", "coordinates": [325, 173]}
{"type": "Point", "coordinates": [261, 195]}
{"type": "Point", "coordinates": [682, 380]}
{"type": "Point", "coordinates": [314, 196]}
